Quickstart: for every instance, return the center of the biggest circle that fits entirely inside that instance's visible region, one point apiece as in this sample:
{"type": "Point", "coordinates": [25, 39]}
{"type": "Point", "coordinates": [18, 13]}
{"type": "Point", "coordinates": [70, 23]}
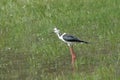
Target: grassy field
{"type": "Point", "coordinates": [29, 50]}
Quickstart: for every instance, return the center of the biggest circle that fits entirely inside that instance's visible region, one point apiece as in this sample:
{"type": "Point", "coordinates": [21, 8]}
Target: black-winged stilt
{"type": "Point", "coordinates": [69, 39]}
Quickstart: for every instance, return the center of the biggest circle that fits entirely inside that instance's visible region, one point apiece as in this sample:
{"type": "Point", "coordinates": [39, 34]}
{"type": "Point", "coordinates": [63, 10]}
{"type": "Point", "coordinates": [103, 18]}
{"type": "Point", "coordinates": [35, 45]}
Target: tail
{"type": "Point", "coordinates": [84, 42]}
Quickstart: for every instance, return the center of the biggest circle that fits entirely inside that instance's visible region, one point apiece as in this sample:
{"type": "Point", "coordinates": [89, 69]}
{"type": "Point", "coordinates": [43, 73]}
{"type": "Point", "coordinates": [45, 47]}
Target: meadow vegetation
{"type": "Point", "coordinates": [29, 50]}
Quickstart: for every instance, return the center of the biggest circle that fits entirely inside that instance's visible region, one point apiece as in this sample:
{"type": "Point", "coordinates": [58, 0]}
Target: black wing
{"type": "Point", "coordinates": [71, 38]}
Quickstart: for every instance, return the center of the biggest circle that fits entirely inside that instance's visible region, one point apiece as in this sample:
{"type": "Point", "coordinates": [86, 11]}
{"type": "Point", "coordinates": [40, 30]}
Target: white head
{"type": "Point", "coordinates": [57, 31]}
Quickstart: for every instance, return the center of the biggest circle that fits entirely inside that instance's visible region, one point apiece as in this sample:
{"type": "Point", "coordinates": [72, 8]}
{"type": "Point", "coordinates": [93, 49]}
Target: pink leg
{"type": "Point", "coordinates": [73, 55]}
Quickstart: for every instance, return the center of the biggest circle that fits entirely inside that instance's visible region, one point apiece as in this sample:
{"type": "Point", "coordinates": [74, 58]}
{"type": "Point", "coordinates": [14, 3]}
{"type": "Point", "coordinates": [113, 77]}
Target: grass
{"type": "Point", "coordinates": [29, 50]}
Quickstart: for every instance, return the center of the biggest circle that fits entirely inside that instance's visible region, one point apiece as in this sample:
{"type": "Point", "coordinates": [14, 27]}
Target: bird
{"type": "Point", "coordinates": [70, 40]}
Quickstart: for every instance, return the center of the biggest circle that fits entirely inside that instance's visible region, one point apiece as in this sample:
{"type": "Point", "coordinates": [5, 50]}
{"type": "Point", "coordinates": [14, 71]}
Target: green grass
{"type": "Point", "coordinates": [29, 50]}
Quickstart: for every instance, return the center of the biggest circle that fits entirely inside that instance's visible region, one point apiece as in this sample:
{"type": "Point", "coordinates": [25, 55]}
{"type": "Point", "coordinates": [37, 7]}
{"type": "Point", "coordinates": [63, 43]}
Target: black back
{"type": "Point", "coordinates": [71, 38]}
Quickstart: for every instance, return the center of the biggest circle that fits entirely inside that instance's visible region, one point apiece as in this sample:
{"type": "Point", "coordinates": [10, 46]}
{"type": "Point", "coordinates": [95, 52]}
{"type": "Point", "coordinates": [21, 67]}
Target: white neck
{"type": "Point", "coordinates": [58, 34]}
